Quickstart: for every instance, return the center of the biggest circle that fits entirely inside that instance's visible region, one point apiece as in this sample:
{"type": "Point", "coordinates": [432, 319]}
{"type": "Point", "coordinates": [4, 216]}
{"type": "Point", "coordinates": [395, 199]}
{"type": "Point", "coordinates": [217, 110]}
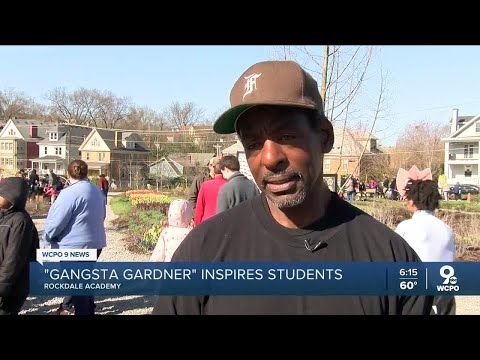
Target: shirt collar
{"type": "Point", "coordinates": [422, 213]}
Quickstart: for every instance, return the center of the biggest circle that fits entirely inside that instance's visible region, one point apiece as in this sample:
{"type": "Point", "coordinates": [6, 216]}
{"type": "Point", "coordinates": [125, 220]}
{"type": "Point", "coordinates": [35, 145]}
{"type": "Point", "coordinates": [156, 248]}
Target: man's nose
{"type": "Point", "coordinates": [273, 156]}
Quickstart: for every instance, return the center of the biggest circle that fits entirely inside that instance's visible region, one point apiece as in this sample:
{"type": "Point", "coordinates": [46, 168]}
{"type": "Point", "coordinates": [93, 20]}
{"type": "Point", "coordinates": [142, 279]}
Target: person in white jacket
{"type": "Point", "coordinates": [179, 218]}
{"type": "Point", "coordinates": [430, 237]}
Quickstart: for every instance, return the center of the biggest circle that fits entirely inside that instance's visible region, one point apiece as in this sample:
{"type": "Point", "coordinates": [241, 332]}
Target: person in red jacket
{"type": "Point", "coordinates": [50, 192]}
{"type": "Point", "coordinates": [207, 197]}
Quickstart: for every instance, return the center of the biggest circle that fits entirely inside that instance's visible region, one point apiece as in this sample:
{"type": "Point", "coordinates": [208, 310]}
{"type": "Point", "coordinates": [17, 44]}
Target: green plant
{"type": "Point", "coordinates": [120, 205]}
{"type": "Point", "coordinates": [150, 237]}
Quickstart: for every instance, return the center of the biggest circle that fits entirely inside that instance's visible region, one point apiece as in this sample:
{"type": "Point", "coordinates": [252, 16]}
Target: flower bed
{"type": "Point", "coordinates": [146, 219]}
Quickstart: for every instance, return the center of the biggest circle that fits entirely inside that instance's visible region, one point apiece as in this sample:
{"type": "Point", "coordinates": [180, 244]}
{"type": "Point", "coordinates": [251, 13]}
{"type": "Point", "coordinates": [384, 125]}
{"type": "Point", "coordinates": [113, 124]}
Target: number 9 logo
{"type": "Point", "coordinates": [447, 272]}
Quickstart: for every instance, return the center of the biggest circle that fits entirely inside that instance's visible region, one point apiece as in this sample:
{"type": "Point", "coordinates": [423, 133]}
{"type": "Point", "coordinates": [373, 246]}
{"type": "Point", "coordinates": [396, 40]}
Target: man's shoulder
{"type": "Point", "coordinates": [17, 217]}
{"type": "Point", "coordinates": [373, 233]}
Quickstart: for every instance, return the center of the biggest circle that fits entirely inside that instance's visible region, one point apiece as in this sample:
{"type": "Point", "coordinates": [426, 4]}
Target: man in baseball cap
{"type": "Point", "coordinates": [277, 112]}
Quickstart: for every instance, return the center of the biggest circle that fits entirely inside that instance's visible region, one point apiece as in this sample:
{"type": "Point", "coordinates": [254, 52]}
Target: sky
{"type": "Point", "coordinates": [424, 82]}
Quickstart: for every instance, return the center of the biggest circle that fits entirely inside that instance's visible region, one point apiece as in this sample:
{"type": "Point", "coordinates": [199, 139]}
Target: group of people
{"type": "Point", "coordinates": [288, 215]}
{"type": "Point", "coordinates": [222, 189]}
{"type": "Point", "coordinates": [74, 221]}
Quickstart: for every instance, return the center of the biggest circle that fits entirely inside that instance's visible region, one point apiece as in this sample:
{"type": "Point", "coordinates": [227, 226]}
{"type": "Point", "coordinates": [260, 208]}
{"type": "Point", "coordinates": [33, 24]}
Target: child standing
{"type": "Point", "coordinates": [179, 218]}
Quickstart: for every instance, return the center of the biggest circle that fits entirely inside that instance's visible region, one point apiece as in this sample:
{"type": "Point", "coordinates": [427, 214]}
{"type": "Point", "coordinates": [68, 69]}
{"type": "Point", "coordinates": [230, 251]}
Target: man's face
{"type": "Point", "coordinates": [284, 153]}
{"type": "Point", "coordinates": [4, 203]}
{"type": "Point", "coordinates": [211, 171]}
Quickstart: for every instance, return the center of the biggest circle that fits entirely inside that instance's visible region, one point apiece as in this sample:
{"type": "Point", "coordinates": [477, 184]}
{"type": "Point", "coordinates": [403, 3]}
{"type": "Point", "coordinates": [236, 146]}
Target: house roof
{"type": "Point", "coordinates": [191, 159]}
{"type": "Point", "coordinates": [77, 134]}
{"type": "Point", "coordinates": [23, 126]}
{"type": "Point", "coordinates": [468, 121]}
{"type": "Point", "coordinates": [109, 137]}
{"type": "Point", "coordinates": [170, 162]}
{"type": "Point", "coordinates": [233, 149]}
{"type": "Point", "coordinates": [49, 158]}
{"type": "Point", "coordinates": [362, 135]}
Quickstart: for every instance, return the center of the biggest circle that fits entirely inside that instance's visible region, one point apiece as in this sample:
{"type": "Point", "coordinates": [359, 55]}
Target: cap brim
{"type": "Point", "coordinates": [225, 124]}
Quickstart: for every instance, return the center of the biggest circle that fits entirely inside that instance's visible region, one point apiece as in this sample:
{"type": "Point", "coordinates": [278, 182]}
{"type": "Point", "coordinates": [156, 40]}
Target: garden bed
{"type": "Point", "coordinates": [142, 214]}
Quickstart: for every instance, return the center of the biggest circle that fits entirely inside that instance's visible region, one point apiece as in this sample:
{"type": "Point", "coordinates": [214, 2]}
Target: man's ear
{"type": "Point", "coordinates": [327, 136]}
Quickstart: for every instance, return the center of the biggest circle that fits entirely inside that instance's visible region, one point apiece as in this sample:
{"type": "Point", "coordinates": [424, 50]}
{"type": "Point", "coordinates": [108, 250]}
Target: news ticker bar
{"type": "Point", "coordinates": [254, 278]}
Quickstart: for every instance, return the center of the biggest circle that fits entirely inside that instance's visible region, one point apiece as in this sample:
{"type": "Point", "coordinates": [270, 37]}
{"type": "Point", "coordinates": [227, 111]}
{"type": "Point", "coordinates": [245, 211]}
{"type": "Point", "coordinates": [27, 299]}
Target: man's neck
{"type": "Point", "coordinates": [313, 208]}
{"type": "Point", "coordinates": [230, 174]}
{"type": "Point", "coordinates": [73, 181]}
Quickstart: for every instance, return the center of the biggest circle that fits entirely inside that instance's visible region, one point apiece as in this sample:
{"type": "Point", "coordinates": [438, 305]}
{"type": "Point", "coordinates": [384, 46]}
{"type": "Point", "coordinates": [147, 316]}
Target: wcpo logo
{"type": "Point", "coordinates": [450, 283]}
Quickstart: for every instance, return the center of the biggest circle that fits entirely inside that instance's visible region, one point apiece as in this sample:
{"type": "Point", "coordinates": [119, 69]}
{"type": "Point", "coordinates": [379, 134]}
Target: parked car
{"type": "Point", "coordinates": [465, 189]}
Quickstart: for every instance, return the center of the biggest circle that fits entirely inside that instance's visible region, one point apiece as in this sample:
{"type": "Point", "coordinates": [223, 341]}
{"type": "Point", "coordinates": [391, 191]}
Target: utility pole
{"type": "Point", "coordinates": [323, 90]}
{"type": "Point", "coordinates": [156, 175]}
{"type": "Point", "coordinates": [69, 141]}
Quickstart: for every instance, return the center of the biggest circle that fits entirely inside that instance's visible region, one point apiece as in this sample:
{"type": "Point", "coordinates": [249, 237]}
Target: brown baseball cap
{"type": "Point", "coordinates": [283, 83]}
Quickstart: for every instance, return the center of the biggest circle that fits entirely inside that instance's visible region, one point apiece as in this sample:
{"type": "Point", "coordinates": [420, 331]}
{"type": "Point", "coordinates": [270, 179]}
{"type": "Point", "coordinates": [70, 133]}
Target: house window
{"type": "Point", "coordinates": [101, 156]}
{"type": "Point", "coordinates": [477, 127]}
{"type": "Point", "coordinates": [344, 164]}
{"type": "Point", "coordinates": [468, 172]}
{"type": "Point", "coordinates": [95, 142]}
{"type": "Point", "coordinates": [10, 161]}
{"type": "Point", "coordinates": [11, 132]}
{"type": "Point", "coordinates": [326, 165]}
{"type": "Point", "coordinates": [2, 146]}
{"type": "Point", "coordinates": [46, 150]}
{"type": "Point", "coordinates": [468, 151]}
{"type": "Point", "coordinates": [53, 136]}
{"type": "Point", "coordinates": [58, 151]}
{"type": "Point", "coordinates": [130, 145]}
{"type": "Point", "coordinates": [88, 156]}
{"type": "Point", "coordinates": [10, 146]}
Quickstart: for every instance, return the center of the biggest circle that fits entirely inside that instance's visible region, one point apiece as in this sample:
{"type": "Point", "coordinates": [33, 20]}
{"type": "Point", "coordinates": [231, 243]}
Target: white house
{"type": "Point", "coordinates": [462, 160]}
{"type": "Point", "coordinates": [60, 145]}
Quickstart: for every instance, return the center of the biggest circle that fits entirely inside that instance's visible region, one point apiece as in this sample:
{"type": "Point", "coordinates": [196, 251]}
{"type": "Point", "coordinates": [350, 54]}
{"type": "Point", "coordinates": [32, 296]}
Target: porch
{"type": "Point", "coordinates": [44, 164]}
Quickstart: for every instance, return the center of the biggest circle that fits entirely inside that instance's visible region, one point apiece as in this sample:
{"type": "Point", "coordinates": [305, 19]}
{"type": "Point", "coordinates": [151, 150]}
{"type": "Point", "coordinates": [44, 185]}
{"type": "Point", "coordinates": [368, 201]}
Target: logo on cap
{"type": "Point", "coordinates": [251, 84]}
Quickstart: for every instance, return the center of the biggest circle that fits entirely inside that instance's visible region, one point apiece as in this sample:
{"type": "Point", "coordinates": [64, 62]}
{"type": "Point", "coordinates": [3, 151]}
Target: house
{"type": "Point", "coordinates": [121, 155]}
{"type": "Point", "coordinates": [18, 144]}
{"type": "Point", "coordinates": [340, 162]}
{"type": "Point", "coordinates": [177, 165]}
{"type": "Point", "coordinates": [166, 168]}
{"type": "Point", "coordinates": [462, 159]}
{"type": "Point", "coordinates": [59, 146]}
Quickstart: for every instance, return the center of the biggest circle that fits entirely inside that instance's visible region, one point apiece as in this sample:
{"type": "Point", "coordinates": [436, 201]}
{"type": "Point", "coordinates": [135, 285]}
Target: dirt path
{"type": "Point", "coordinates": [106, 305]}
{"type": "Point", "coordinates": [143, 305]}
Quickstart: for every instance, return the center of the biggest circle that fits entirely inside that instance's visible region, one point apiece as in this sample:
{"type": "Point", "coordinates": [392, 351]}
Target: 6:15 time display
{"type": "Point", "coordinates": [408, 272]}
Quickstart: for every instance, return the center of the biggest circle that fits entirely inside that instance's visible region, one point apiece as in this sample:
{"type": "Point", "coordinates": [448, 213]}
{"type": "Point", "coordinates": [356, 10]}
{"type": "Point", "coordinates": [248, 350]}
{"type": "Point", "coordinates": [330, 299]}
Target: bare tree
{"type": "Point", "coordinates": [144, 118]}
{"type": "Point", "coordinates": [182, 115]}
{"type": "Point", "coordinates": [107, 109]}
{"type": "Point", "coordinates": [75, 108]}
{"type": "Point", "coordinates": [420, 145]}
{"type": "Point", "coordinates": [15, 104]}
{"type": "Point", "coordinates": [88, 107]}
{"type": "Point", "coordinates": [378, 112]}
{"type": "Point", "coordinates": [341, 72]}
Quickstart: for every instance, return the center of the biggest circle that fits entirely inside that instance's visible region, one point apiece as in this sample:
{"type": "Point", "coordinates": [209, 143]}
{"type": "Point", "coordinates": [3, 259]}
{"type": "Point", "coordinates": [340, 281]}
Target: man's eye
{"type": "Point", "coordinates": [287, 137]}
{"type": "Point", "coordinates": [253, 146]}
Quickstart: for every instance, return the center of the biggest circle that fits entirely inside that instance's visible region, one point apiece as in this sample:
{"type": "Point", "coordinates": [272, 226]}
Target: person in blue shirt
{"type": "Point", "coordinates": [76, 221]}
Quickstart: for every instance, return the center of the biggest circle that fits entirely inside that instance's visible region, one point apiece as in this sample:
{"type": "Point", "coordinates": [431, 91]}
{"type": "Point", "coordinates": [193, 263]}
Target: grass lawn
{"type": "Point", "coordinates": [120, 205]}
